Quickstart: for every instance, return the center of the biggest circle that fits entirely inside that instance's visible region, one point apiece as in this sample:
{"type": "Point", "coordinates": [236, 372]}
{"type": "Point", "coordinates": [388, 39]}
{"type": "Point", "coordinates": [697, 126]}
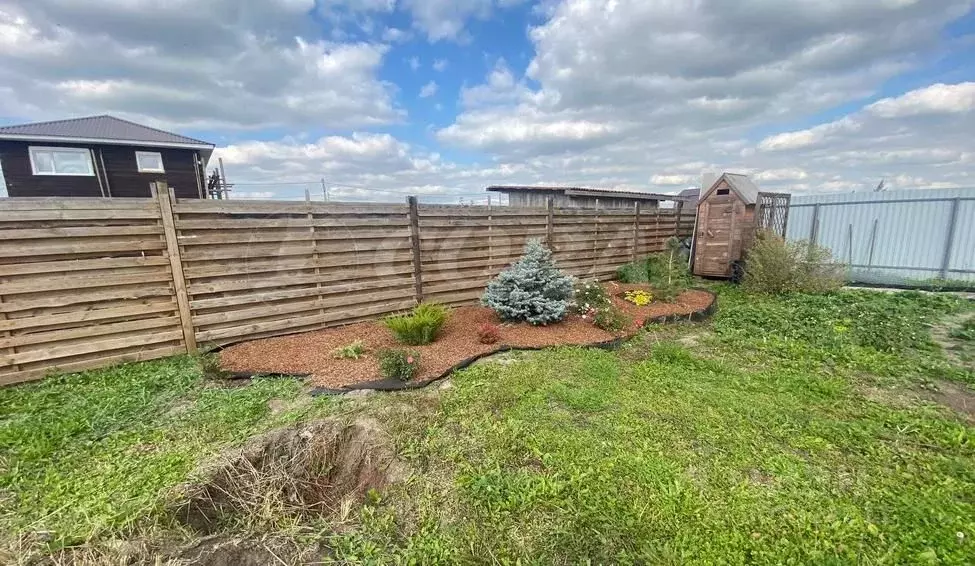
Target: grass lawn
{"type": "Point", "coordinates": [802, 429]}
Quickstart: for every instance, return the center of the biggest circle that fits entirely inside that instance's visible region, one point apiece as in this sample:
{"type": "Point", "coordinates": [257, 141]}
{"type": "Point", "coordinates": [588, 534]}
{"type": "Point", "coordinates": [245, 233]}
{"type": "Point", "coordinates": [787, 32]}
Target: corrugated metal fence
{"type": "Point", "coordinates": [898, 237]}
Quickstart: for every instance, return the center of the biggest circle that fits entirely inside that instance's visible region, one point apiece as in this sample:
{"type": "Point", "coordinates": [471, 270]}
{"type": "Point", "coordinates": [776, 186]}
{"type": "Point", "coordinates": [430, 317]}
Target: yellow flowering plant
{"type": "Point", "coordinates": [638, 297]}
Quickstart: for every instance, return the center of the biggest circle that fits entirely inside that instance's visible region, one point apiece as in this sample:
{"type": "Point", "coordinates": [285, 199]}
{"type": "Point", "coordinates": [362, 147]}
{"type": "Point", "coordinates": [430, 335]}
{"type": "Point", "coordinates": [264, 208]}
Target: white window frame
{"type": "Point", "coordinates": [138, 164]}
{"type": "Point", "coordinates": [81, 150]}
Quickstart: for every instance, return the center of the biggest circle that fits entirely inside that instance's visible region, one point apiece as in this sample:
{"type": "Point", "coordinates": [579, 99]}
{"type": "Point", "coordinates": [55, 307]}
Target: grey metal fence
{"type": "Point", "coordinates": [898, 237]}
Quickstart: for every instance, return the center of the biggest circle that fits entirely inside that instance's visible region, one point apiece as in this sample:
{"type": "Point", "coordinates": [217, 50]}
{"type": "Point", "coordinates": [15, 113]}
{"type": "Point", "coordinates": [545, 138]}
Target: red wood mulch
{"type": "Point", "coordinates": [312, 352]}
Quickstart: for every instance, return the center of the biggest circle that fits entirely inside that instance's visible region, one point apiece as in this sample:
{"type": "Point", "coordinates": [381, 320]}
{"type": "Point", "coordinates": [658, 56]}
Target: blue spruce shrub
{"type": "Point", "coordinates": [531, 290]}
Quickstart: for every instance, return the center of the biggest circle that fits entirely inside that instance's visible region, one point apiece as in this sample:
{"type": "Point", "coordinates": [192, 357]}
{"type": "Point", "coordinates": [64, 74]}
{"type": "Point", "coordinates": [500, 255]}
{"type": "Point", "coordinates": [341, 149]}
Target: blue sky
{"type": "Point", "coordinates": [441, 98]}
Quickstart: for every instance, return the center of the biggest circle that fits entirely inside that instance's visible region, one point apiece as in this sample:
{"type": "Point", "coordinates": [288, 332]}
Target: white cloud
{"type": "Point", "coordinates": [428, 90]}
{"type": "Point", "coordinates": [414, 63]}
{"type": "Point", "coordinates": [637, 90]}
{"type": "Point", "coordinates": [668, 180]}
{"type": "Point", "coordinates": [258, 69]}
{"type": "Point", "coordinates": [936, 99]}
{"type": "Point", "coordinates": [447, 19]}
{"type": "Point", "coordinates": [396, 35]}
{"type": "Point", "coordinates": [810, 137]}
{"type": "Point", "coordinates": [440, 65]}
{"type": "Point", "coordinates": [775, 175]}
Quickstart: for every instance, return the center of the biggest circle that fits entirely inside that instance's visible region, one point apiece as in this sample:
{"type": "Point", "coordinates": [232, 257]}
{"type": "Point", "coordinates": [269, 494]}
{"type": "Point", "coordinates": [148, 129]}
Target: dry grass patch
{"type": "Point", "coordinates": [319, 468]}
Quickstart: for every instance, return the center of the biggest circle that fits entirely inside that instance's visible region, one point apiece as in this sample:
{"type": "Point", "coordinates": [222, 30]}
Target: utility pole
{"type": "Point", "coordinates": [324, 189]}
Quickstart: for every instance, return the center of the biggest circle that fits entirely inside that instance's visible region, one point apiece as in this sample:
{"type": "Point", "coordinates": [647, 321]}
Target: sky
{"type": "Point", "coordinates": [442, 98]}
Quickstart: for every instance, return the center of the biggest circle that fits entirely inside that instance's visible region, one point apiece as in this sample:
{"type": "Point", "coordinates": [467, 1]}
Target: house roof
{"type": "Point", "coordinates": [100, 129]}
{"type": "Point", "coordinates": [690, 195]}
{"type": "Point", "coordinates": [587, 192]}
{"type": "Point", "coordinates": [741, 184]}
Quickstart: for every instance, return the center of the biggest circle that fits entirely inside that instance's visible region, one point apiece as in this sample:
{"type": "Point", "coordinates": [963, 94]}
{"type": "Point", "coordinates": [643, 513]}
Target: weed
{"type": "Point", "coordinates": [776, 266]}
{"type": "Point", "coordinates": [420, 327]}
{"type": "Point", "coordinates": [210, 367]}
{"type": "Point", "coordinates": [353, 351]}
{"type": "Point", "coordinates": [966, 331]}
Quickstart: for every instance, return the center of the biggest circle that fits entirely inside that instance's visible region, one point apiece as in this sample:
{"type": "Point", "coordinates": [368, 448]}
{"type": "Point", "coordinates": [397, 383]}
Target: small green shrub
{"type": "Point", "coordinates": [420, 327]}
{"type": "Point", "coordinates": [590, 295]}
{"type": "Point", "coordinates": [634, 272]}
{"type": "Point", "coordinates": [775, 266]}
{"type": "Point", "coordinates": [399, 364]}
{"type": "Point", "coordinates": [353, 351]}
{"type": "Point", "coordinates": [611, 319]}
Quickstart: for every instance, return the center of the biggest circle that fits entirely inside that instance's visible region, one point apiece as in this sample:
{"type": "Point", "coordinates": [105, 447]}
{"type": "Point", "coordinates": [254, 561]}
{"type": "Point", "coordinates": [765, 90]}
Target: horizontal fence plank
{"type": "Point", "coordinates": [140, 355]}
{"type": "Point", "coordinates": [73, 265]}
{"type": "Point", "coordinates": [76, 203]}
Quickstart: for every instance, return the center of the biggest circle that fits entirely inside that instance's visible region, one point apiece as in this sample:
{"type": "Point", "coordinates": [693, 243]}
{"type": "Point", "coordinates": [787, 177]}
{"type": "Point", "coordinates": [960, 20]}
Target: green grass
{"type": "Point", "coordinates": [966, 331]}
{"type": "Point", "coordinates": [95, 452]}
{"type": "Point", "coordinates": [746, 440]}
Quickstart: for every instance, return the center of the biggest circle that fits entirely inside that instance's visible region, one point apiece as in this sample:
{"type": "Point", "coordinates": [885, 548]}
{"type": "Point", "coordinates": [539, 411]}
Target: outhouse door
{"type": "Point", "coordinates": [715, 236]}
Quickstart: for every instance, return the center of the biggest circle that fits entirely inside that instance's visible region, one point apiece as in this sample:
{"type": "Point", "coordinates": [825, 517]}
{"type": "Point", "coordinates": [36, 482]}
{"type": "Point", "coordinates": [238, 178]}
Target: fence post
{"type": "Point", "coordinates": [814, 228]}
{"type": "Point", "coordinates": [490, 229]}
{"type": "Point", "coordinates": [165, 196]}
{"type": "Point", "coordinates": [595, 243]}
{"type": "Point", "coordinates": [550, 226]}
{"type": "Point", "coordinates": [415, 239]}
{"type": "Point", "coordinates": [314, 254]}
{"type": "Point", "coordinates": [636, 229]}
{"type": "Point", "coordinates": [950, 239]}
{"type": "Point", "coordinates": [680, 212]}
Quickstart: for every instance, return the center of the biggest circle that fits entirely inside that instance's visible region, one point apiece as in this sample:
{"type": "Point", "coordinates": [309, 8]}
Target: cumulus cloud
{"type": "Point", "coordinates": [640, 94]}
{"type": "Point", "coordinates": [263, 67]}
{"type": "Point", "coordinates": [810, 137]}
{"type": "Point", "coordinates": [935, 99]}
{"type": "Point", "coordinates": [638, 89]}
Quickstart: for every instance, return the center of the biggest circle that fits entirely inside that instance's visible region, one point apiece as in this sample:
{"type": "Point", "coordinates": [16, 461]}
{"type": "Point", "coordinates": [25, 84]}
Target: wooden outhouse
{"type": "Point", "coordinates": [729, 212]}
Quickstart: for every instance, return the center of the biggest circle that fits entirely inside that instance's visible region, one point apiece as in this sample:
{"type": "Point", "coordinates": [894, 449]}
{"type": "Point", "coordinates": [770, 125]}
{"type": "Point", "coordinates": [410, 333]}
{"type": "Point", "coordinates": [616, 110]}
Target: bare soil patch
{"type": "Point", "coordinates": [958, 352]}
{"type": "Point", "coordinates": [313, 352]}
{"type": "Point", "coordinates": [316, 468]}
{"type": "Point", "coordinates": [955, 396]}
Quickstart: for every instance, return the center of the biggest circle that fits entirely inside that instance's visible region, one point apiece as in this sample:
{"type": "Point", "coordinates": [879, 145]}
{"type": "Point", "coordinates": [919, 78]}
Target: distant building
{"type": "Point", "coordinates": [99, 156]}
{"type": "Point", "coordinates": [580, 197]}
{"type": "Point", "coordinates": [690, 196]}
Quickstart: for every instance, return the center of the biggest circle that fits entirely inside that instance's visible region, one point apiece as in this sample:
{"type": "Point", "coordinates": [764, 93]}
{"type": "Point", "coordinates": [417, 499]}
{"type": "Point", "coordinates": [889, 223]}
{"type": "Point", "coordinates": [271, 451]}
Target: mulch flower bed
{"type": "Point", "coordinates": [312, 353]}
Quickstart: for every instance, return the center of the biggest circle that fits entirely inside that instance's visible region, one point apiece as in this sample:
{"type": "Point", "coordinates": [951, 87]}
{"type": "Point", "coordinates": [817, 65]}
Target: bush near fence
{"type": "Point", "coordinates": [86, 283]}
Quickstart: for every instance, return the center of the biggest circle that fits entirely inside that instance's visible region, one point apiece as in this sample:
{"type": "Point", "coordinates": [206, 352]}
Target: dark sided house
{"type": "Point", "coordinates": [580, 197]}
{"type": "Point", "coordinates": [99, 156]}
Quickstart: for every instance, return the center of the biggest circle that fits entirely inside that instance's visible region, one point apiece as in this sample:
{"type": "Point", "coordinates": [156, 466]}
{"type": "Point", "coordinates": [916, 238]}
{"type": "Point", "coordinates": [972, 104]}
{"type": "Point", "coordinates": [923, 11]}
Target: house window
{"type": "Point", "coordinates": [724, 191]}
{"type": "Point", "coordinates": [74, 161]}
{"type": "Point", "coordinates": [149, 162]}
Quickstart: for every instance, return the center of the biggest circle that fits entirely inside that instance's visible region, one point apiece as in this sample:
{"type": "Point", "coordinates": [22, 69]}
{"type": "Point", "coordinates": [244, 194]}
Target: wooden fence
{"type": "Point", "coordinates": [86, 283]}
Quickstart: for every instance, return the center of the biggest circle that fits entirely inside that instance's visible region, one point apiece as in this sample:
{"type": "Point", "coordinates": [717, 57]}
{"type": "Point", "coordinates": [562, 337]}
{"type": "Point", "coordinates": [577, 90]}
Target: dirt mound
{"type": "Point", "coordinates": [316, 468]}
